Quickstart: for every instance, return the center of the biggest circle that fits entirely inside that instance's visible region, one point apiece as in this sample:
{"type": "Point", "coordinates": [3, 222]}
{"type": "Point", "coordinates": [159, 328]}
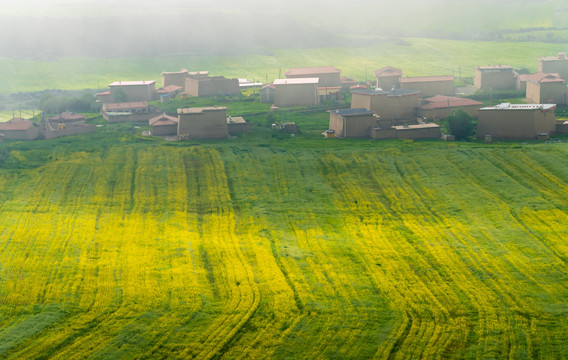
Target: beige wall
{"type": "Point", "coordinates": [494, 79]}
{"type": "Point", "coordinates": [378, 134]}
{"type": "Point", "coordinates": [559, 66]}
{"type": "Point", "coordinates": [325, 80]}
{"type": "Point", "coordinates": [430, 88]}
{"type": "Point", "coordinates": [31, 134]}
{"type": "Point", "coordinates": [78, 130]}
{"type": "Point", "coordinates": [418, 133]}
{"type": "Point", "coordinates": [208, 124]}
{"type": "Point", "coordinates": [515, 124]}
{"type": "Point", "coordinates": [174, 78]}
{"type": "Point", "coordinates": [296, 95]}
{"type": "Point", "coordinates": [164, 130]}
{"type": "Point", "coordinates": [136, 92]}
{"type": "Point", "coordinates": [546, 93]}
{"type": "Point", "coordinates": [388, 107]}
{"type": "Point", "coordinates": [211, 86]}
{"type": "Point", "coordinates": [352, 126]}
{"type": "Point", "coordinates": [360, 101]}
{"type": "Point", "coordinates": [388, 82]}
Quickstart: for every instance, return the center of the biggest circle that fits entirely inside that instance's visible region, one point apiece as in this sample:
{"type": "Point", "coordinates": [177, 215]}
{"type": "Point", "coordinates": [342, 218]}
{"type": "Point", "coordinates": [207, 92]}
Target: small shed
{"type": "Point", "coordinates": [237, 124]}
{"type": "Point", "coordinates": [164, 125]}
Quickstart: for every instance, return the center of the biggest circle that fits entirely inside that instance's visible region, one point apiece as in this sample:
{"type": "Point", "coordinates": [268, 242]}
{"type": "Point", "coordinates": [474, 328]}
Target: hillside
{"type": "Point", "coordinates": [272, 247]}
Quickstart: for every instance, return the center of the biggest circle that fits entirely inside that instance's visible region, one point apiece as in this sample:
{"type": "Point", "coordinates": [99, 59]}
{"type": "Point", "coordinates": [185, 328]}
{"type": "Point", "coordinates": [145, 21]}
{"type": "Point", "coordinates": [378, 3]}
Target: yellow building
{"type": "Point", "coordinates": [554, 64]}
{"type": "Point", "coordinates": [430, 85]}
{"type": "Point", "coordinates": [544, 88]}
{"type": "Point", "coordinates": [388, 78]}
{"type": "Point", "coordinates": [496, 77]}
{"type": "Point", "coordinates": [516, 121]}
{"type": "Point", "coordinates": [353, 123]}
{"type": "Point", "coordinates": [328, 76]}
{"type": "Point", "coordinates": [439, 106]}
{"type": "Point", "coordinates": [296, 92]}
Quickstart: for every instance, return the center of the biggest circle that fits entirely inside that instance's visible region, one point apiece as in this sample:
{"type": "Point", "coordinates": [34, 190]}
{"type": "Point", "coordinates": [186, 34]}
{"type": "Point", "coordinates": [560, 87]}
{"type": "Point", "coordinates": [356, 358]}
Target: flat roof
{"type": "Point", "coordinates": [508, 106]}
{"type": "Point", "coordinates": [199, 110]}
{"type": "Point", "coordinates": [236, 120]}
{"type": "Point", "coordinates": [416, 127]}
{"type": "Point", "coordinates": [441, 101]}
{"type": "Point", "coordinates": [352, 112]}
{"type": "Point", "coordinates": [312, 70]}
{"type": "Point", "coordinates": [393, 92]}
{"type": "Point", "coordinates": [416, 79]}
{"type": "Point", "coordinates": [132, 83]}
{"type": "Point", "coordinates": [126, 105]}
{"type": "Point", "coordinates": [495, 67]}
{"type": "Point", "coordinates": [297, 81]}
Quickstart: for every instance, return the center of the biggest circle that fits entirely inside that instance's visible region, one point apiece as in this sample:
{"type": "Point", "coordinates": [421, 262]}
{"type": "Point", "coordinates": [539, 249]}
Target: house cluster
{"type": "Point", "coordinates": [64, 124]}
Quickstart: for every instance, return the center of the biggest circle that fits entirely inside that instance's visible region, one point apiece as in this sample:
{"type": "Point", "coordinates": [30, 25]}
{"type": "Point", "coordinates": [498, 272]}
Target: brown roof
{"type": "Point", "coordinates": [162, 120]}
{"type": "Point", "coordinates": [427, 79]}
{"type": "Point", "coordinates": [270, 85]}
{"type": "Point", "coordinates": [172, 88]}
{"type": "Point", "coordinates": [537, 77]}
{"type": "Point", "coordinates": [125, 105]}
{"type": "Point", "coordinates": [199, 110]}
{"type": "Point", "coordinates": [16, 124]}
{"type": "Point", "coordinates": [441, 101]}
{"type": "Point", "coordinates": [495, 67]}
{"type": "Point", "coordinates": [67, 117]}
{"type": "Point", "coordinates": [312, 70]}
{"type": "Point", "coordinates": [388, 71]}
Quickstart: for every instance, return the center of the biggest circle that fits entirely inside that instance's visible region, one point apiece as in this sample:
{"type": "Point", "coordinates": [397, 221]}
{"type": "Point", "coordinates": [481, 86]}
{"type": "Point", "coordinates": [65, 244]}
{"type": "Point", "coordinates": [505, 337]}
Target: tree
{"type": "Point", "coordinates": [119, 95]}
{"type": "Point", "coordinates": [459, 124]}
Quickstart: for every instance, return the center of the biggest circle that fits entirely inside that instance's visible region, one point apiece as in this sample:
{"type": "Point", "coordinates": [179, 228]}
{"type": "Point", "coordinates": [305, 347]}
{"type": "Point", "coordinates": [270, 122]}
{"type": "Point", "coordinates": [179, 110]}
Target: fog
{"type": "Point", "coordinates": [44, 29]}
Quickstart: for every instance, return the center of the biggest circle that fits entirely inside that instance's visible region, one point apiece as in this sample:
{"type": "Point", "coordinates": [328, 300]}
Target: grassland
{"type": "Point", "coordinates": [414, 56]}
{"type": "Point", "coordinates": [280, 247]}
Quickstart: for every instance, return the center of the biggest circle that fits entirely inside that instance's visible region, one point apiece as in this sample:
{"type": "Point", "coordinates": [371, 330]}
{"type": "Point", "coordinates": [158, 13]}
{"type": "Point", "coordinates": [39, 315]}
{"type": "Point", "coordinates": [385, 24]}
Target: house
{"type": "Point", "coordinates": [554, 64]}
{"type": "Point", "coordinates": [296, 92]}
{"type": "Point", "coordinates": [267, 93]}
{"type": "Point", "coordinates": [516, 121]}
{"type": "Point", "coordinates": [329, 93]}
{"type": "Point", "coordinates": [126, 112]}
{"type": "Point", "coordinates": [544, 88]}
{"type": "Point", "coordinates": [328, 76]}
{"type": "Point", "coordinates": [395, 105]}
{"type": "Point", "coordinates": [123, 91]}
{"type": "Point", "coordinates": [521, 79]}
{"type": "Point", "coordinates": [19, 129]}
{"type": "Point", "coordinates": [237, 125]}
{"type": "Point", "coordinates": [66, 119]}
{"type": "Point", "coordinates": [247, 84]}
{"type": "Point", "coordinates": [440, 106]}
{"type": "Point", "coordinates": [495, 77]}
{"type": "Point", "coordinates": [388, 78]}
{"type": "Point", "coordinates": [347, 83]}
{"type": "Point", "coordinates": [176, 78]}
{"type": "Point", "coordinates": [430, 85]}
{"type": "Point", "coordinates": [171, 91]}
{"type": "Point", "coordinates": [353, 123]}
{"type": "Point", "coordinates": [201, 84]}
{"type": "Point", "coordinates": [164, 125]}
{"type": "Point", "coordinates": [202, 123]}
{"type": "Point", "coordinates": [418, 131]}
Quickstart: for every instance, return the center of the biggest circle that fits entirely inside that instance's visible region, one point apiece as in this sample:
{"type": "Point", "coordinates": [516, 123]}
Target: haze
{"type": "Point", "coordinates": [117, 28]}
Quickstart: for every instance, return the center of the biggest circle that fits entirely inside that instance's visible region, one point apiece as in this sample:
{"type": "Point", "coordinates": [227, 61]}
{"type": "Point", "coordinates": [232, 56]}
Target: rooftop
{"type": "Point", "coordinates": [312, 70]}
{"type": "Point", "coordinates": [182, 71]}
{"type": "Point", "coordinates": [541, 77]}
{"type": "Point", "coordinates": [200, 110]}
{"type": "Point", "coordinates": [352, 112]}
{"type": "Point", "coordinates": [67, 117]}
{"type": "Point", "coordinates": [393, 92]}
{"type": "Point", "coordinates": [236, 120]}
{"type": "Point", "coordinates": [162, 120]}
{"type": "Point", "coordinates": [132, 83]}
{"type": "Point", "coordinates": [125, 105]}
{"type": "Point", "coordinates": [417, 79]}
{"type": "Point", "coordinates": [495, 67]}
{"type": "Point", "coordinates": [297, 81]}
{"type": "Point", "coordinates": [508, 106]}
{"type": "Point", "coordinates": [16, 124]}
{"type": "Point", "coordinates": [441, 101]}
{"type": "Point", "coordinates": [416, 127]}
{"type": "Point", "coordinates": [560, 56]}
{"type": "Point", "coordinates": [388, 71]}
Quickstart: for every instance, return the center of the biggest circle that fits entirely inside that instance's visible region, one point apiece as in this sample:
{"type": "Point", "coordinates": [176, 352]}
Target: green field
{"type": "Point", "coordinates": [414, 56]}
{"type": "Point", "coordinates": [271, 246]}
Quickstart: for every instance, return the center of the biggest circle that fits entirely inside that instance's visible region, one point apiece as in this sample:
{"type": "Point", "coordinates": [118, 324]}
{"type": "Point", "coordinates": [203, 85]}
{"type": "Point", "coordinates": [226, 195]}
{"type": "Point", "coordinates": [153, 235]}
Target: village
{"type": "Point", "coordinates": [393, 106]}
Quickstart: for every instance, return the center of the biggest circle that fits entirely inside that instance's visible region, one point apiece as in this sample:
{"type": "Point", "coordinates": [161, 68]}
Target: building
{"type": "Point", "coordinates": [296, 92]}
{"type": "Point", "coordinates": [245, 84]}
{"type": "Point", "coordinates": [123, 91]}
{"type": "Point", "coordinates": [544, 88]}
{"type": "Point", "coordinates": [419, 131]}
{"type": "Point", "coordinates": [267, 93]}
{"type": "Point", "coordinates": [495, 77]}
{"type": "Point", "coordinates": [328, 76]}
{"type": "Point", "coordinates": [430, 85]}
{"type": "Point", "coordinates": [202, 123]}
{"type": "Point", "coordinates": [201, 84]}
{"type": "Point", "coordinates": [440, 106]}
{"type": "Point", "coordinates": [393, 106]}
{"type": "Point", "coordinates": [126, 112]}
{"type": "Point", "coordinates": [66, 119]}
{"type": "Point", "coordinates": [237, 125]}
{"type": "Point", "coordinates": [554, 64]}
{"type": "Point", "coordinates": [176, 78]}
{"type": "Point", "coordinates": [164, 125]}
{"type": "Point", "coordinates": [19, 129]}
{"type": "Point", "coordinates": [388, 78]}
{"type": "Point", "coordinates": [516, 121]}
{"type": "Point", "coordinates": [353, 123]}
{"type": "Point", "coordinates": [170, 91]}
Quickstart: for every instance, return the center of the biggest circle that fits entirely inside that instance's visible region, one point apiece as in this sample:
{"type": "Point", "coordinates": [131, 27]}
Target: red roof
{"type": "Point", "coordinates": [16, 124]}
{"type": "Point", "coordinates": [270, 85]}
{"type": "Point", "coordinates": [427, 79]}
{"type": "Point", "coordinates": [67, 117]}
{"type": "Point", "coordinates": [388, 71]}
{"type": "Point", "coordinates": [312, 70]}
{"type": "Point", "coordinates": [162, 120]}
{"type": "Point", "coordinates": [441, 101]}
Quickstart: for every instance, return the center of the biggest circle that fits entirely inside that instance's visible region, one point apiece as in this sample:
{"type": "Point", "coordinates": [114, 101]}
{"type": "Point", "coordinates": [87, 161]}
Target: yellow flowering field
{"type": "Point", "coordinates": [286, 250]}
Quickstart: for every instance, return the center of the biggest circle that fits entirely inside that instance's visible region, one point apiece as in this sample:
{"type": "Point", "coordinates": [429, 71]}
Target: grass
{"type": "Point", "coordinates": [119, 246]}
{"type": "Point", "coordinates": [436, 57]}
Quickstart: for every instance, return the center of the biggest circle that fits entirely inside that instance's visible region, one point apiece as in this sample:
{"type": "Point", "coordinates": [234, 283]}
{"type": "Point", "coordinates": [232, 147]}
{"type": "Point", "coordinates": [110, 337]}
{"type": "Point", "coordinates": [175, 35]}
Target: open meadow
{"type": "Point", "coordinates": [414, 56]}
{"type": "Point", "coordinates": [118, 246]}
